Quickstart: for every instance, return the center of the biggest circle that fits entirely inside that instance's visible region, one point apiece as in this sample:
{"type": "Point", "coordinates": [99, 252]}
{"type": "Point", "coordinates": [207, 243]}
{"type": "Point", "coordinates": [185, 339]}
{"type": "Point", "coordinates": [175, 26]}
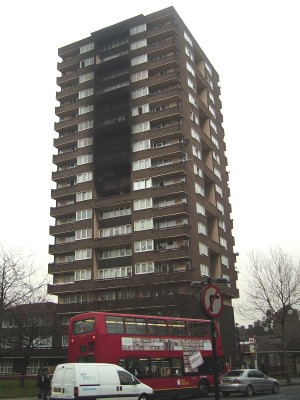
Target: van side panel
{"type": "Point", "coordinates": [87, 380]}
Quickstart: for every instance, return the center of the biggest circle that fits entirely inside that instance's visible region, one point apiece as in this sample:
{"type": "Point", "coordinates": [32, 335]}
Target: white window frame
{"type": "Point", "coordinates": [143, 245]}
{"type": "Point", "coordinates": [143, 204]}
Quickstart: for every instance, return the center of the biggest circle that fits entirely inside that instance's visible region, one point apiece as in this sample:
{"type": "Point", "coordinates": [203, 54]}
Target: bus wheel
{"type": "Point", "coordinates": [203, 388]}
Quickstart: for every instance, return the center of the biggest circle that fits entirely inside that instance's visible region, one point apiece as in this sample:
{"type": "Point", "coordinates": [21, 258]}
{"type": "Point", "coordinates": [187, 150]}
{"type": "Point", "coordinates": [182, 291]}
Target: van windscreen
{"type": "Point", "coordinates": [84, 326]}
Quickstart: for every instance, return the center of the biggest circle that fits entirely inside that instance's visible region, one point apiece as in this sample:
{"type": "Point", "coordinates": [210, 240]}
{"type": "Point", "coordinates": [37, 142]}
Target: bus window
{"type": "Point", "coordinates": [176, 328]}
{"type": "Point", "coordinates": [157, 327]}
{"type": "Point", "coordinates": [135, 326]}
{"type": "Point", "coordinates": [198, 329]}
{"type": "Point", "coordinates": [84, 326]}
{"type": "Point", "coordinates": [139, 367]}
{"type": "Point", "coordinates": [160, 367]}
{"type": "Point", "coordinates": [177, 367]}
{"type": "Point", "coordinates": [114, 324]}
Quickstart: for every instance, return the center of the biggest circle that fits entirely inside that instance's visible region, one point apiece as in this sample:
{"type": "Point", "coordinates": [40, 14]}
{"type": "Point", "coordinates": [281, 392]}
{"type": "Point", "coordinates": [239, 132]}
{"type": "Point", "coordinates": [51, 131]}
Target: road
{"type": "Point", "coordinates": [285, 393]}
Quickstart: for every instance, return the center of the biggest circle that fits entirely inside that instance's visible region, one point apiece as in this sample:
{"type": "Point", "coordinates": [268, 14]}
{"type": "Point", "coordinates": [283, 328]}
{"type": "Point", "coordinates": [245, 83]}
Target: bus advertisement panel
{"type": "Point", "coordinates": [172, 355]}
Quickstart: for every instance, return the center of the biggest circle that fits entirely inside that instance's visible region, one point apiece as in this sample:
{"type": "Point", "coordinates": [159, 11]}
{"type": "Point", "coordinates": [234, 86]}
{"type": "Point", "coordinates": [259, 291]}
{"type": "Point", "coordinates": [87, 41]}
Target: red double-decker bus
{"type": "Point", "coordinates": [172, 355]}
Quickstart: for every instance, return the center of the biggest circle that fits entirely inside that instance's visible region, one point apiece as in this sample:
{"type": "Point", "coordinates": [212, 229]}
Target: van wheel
{"type": "Point", "coordinates": [143, 397]}
{"type": "Point", "coordinates": [203, 388]}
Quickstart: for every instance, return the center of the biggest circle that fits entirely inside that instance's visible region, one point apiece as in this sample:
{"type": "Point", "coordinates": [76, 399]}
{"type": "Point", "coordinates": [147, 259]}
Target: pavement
{"type": "Point", "coordinates": [294, 381]}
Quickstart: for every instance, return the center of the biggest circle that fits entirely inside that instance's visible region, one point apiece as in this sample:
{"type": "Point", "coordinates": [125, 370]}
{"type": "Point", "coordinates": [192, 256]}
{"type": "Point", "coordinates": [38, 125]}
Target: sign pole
{"type": "Point", "coordinates": [215, 359]}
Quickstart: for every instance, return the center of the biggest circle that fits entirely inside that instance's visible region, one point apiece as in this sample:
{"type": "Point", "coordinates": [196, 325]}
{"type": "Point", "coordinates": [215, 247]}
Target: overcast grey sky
{"type": "Point", "coordinates": [254, 46]}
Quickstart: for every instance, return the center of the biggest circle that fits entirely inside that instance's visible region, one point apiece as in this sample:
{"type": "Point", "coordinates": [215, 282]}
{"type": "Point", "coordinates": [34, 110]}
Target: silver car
{"type": "Point", "coordinates": [247, 381]}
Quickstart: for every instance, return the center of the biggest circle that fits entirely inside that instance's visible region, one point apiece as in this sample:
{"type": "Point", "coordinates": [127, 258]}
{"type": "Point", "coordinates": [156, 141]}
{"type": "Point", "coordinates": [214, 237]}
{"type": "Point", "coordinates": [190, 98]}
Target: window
{"type": "Point", "coordinates": [195, 135]}
{"type": "Point", "coordinates": [85, 109]}
{"type": "Point", "coordinates": [85, 125]}
{"type": "Point", "coordinates": [220, 207]}
{"type": "Point", "coordinates": [141, 164]}
{"type": "Point", "coordinates": [85, 177]}
{"type": "Point", "coordinates": [216, 157]}
{"type": "Point", "coordinates": [138, 44]}
{"type": "Point", "coordinates": [188, 39]}
{"type": "Point", "coordinates": [141, 127]}
{"type": "Point", "coordinates": [203, 249]}
{"type": "Point", "coordinates": [143, 224]}
{"type": "Point", "coordinates": [115, 212]}
{"type": "Point", "coordinates": [200, 209]}
{"type": "Point", "coordinates": [115, 231]}
{"type": "Point", "coordinates": [115, 253]}
{"type": "Point", "coordinates": [140, 92]}
{"type": "Point", "coordinates": [82, 196]}
{"type": "Point", "coordinates": [138, 76]}
{"type": "Point", "coordinates": [192, 85]}
{"type": "Point", "coordinates": [135, 326]}
{"type": "Point", "coordinates": [208, 68]}
{"type": "Point", "coordinates": [192, 100]}
{"type": "Point", "coordinates": [85, 93]}
{"type": "Point", "coordinates": [215, 141]}
{"type": "Point", "coordinates": [222, 225]}
{"type": "Point", "coordinates": [83, 254]}
{"type": "Point", "coordinates": [84, 214]}
{"type": "Point", "coordinates": [86, 47]}
{"type": "Point", "coordinates": [211, 96]}
{"type": "Point", "coordinates": [157, 327]}
{"type": "Point", "coordinates": [213, 125]}
{"type": "Point", "coordinates": [113, 273]}
{"type": "Point", "coordinates": [212, 110]}
{"type": "Point", "coordinates": [199, 189]}
{"type": "Point", "coordinates": [194, 118]}
{"type": "Point", "coordinates": [146, 267]}
{"type": "Point", "coordinates": [143, 109]}
{"type": "Point", "coordinates": [143, 245]}
{"type": "Point", "coordinates": [138, 29]}
{"type": "Point", "coordinates": [223, 242]}
{"type": "Point", "coordinates": [87, 62]}
{"type": "Point", "coordinates": [196, 152]}
{"type": "Point", "coordinates": [83, 274]}
{"type": "Point", "coordinates": [219, 190]}
{"type": "Point", "coordinates": [204, 270]}
{"type": "Point", "coordinates": [189, 53]}
{"type": "Point", "coordinates": [228, 284]}
{"type": "Point", "coordinates": [165, 203]}
{"type": "Point", "coordinates": [141, 145]}
{"type": "Point", "coordinates": [198, 171]}
{"type": "Point", "coordinates": [86, 77]}
{"type": "Point", "coordinates": [217, 173]}
{"type": "Point", "coordinates": [85, 159]}
{"type": "Point", "coordinates": [83, 234]}
{"type": "Point", "coordinates": [224, 260]}
{"type": "Point", "coordinates": [202, 229]}
{"type": "Point", "coordinates": [142, 204]}
{"type": "Point", "coordinates": [190, 68]}
{"type": "Point", "coordinates": [142, 184]}
{"type": "Point", "coordinates": [64, 341]}
{"type": "Point", "coordinates": [87, 141]}
{"type": "Point", "coordinates": [139, 60]}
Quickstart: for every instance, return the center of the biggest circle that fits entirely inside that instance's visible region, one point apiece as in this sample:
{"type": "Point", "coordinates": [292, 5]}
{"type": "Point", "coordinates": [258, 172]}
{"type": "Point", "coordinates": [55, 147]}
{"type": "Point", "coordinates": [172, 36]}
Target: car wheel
{"type": "Point", "coordinates": [275, 388]}
{"type": "Point", "coordinates": [226, 394]}
{"type": "Point", "coordinates": [249, 391]}
{"type": "Point", "coordinates": [203, 388]}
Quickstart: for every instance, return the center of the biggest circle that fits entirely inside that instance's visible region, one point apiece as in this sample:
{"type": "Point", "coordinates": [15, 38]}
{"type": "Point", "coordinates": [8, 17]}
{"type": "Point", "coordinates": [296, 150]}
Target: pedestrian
{"type": "Point", "coordinates": [39, 382]}
{"type": "Point", "coordinates": [245, 365]}
{"type": "Point", "coordinates": [45, 383]}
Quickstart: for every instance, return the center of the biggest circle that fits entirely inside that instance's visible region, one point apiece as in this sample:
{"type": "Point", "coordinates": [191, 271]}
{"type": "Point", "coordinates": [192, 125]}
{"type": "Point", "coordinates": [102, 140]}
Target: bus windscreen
{"type": "Point", "coordinates": [84, 326]}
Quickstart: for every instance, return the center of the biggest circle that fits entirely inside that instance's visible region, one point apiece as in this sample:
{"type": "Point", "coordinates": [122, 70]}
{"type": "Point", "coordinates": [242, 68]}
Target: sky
{"type": "Point", "coordinates": [254, 46]}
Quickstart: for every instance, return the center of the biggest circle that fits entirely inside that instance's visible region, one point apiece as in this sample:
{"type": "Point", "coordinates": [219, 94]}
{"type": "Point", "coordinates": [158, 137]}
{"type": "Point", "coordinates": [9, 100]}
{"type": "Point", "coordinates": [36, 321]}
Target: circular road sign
{"type": "Point", "coordinates": [212, 301]}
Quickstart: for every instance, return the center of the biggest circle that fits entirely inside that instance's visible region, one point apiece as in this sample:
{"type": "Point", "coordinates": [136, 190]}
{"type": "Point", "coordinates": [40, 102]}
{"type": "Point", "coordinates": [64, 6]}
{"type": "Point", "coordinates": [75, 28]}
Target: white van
{"type": "Point", "coordinates": [87, 381]}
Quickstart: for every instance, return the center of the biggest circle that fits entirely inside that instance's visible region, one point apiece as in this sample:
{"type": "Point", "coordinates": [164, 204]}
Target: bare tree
{"type": "Point", "coordinates": [19, 284]}
{"type": "Point", "coordinates": [273, 282]}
